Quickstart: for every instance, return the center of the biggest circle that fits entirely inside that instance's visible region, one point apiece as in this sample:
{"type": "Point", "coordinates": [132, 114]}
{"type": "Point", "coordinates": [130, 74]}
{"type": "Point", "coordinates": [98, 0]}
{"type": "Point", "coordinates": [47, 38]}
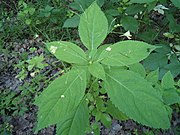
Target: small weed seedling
{"type": "Point", "coordinates": [100, 83]}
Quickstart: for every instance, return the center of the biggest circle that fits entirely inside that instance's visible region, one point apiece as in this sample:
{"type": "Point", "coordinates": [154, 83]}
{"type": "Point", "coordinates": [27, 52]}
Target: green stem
{"type": "Point", "coordinates": [94, 81]}
{"type": "Point", "coordinates": [64, 67]}
{"type": "Point", "coordinates": [45, 35]}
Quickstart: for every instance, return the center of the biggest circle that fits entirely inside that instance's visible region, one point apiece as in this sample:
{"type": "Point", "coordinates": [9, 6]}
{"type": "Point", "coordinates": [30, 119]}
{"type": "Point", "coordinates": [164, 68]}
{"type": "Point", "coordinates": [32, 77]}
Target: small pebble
{"type": "Point", "coordinates": [117, 127]}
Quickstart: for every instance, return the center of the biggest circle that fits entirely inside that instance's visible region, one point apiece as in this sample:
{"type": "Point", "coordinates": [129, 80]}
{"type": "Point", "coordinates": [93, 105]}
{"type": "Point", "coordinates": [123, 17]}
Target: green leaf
{"type": "Point", "coordinates": [93, 27]}
{"type": "Point", "coordinates": [159, 59]}
{"type": "Point", "coordinates": [61, 97]}
{"type": "Point", "coordinates": [106, 120]}
{"type": "Point", "coordinates": [100, 104]}
{"type": "Point", "coordinates": [111, 12]}
{"type": "Point", "coordinates": [125, 53]}
{"type": "Point", "coordinates": [129, 23]}
{"type": "Point", "coordinates": [176, 3]}
{"type": "Point", "coordinates": [138, 68]}
{"type": "Point", "coordinates": [115, 112]}
{"type": "Point", "coordinates": [30, 67]}
{"type": "Point", "coordinates": [96, 128]}
{"type": "Point", "coordinates": [100, 2]}
{"type": "Point", "coordinates": [81, 5]}
{"type": "Point", "coordinates": [170, 96]}
{"type": "Point", "coordinates": [164, 49]}
{"type": "Point", "coordinates": [76, 122]}
{"type": "Point", "coordinates": [153, 76]}
{"type": "Point", "coordinates": [134, 9]}
{"type": "Point", "coordinates": [100, 50]}
{"type": "Point", "coordinates": [97, 115]}
{"type": "Point", "coordinates": [147, 36]}
{"type": "Point", "coordinates": [71, 22]}
{"type": "Point", "coordinates": [141, 1]}
{"type": "Point", "coordinates": [155, 60]}
{"type": "Point", "coordinates": [97, 70]}
{"type": "Point", "coordinates": [178, 83]}
{"type": "Point", "coordinates": [173, 67]}
{"type": "Point", "coordinates": [135, 97]}
{"type": "Point", "coordinates": [67, 52]}
{"type": "Point", "coordinates": [174, 27]}
{"type": "Point", "coordinates": [28, 21]}
{"type": "Point", "coordinates": [31, 11]}
{"type": "Point", "coordinates": [168, 81]}
{"type": "Point", "coordinates": [151, 6]}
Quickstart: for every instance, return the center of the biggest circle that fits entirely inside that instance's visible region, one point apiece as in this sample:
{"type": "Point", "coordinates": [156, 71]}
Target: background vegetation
{"type": "Point", "coordinates": [26, 67]}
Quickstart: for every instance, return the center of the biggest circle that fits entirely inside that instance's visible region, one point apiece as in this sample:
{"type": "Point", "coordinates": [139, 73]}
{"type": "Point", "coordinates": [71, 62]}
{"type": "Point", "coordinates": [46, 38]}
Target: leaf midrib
{"type": "Point", "coordinates": [83, 57]}
{"type": "Point", "coordinates": [132, 94]}
{"type": "Point", "coordinates": [121, 84]}
{"type": "Point", "coordinates": [92, 35]}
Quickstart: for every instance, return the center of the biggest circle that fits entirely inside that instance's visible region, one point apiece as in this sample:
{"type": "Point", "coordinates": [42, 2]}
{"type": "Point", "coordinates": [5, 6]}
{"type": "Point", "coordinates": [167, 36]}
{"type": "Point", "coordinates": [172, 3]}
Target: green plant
{"type": "Point", "coordinates": [104, 81]}
{"type": "Point", "coordinates": [34, 65]}
{"type": "Point", "coordinates": [165, 59]}
{"type": "Point", "coordinates": [26, 13]}
{"type": "Point", "coordinates": [44, 18]}
{"type": "Point", "coordinates": [78, 6]}
{"type": "Point", "coordinates": [11, 105]}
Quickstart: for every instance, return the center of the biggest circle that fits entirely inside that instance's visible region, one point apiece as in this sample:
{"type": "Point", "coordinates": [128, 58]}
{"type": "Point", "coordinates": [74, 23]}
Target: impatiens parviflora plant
{"type": "Point", "coordinates": [100, 84]}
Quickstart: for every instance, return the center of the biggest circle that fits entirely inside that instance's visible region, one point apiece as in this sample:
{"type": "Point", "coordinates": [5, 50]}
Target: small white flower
{"type": "Point", "coordinates": [117, 25]}
{"type": "Point", "coordinates": [171, 45]}
{"type": "Point", "coordinates": [90, 62]}
{"type": "Point", "coordinates": [62, 96]}
{"type": "Point", "coordinates": [53, 49]}
{"type": "Point", "coordinates": [32, 74]}
{"type": "Point", "coordinates": [160, 9]}
{"type": "Point", "coordinates": [36, 35]}
{"type": "Point", "coordinates": [108, 49]}
{"type": "Point", "coordinates": [127, 34]}
{"type": "Point", "coordinates": [136, 16]}
{"type": "Point", "coordinates": [177, 47]}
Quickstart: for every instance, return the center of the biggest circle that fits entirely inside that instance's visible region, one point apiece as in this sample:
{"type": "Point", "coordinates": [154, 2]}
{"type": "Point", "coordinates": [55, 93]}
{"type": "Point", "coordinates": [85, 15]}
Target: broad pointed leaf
{"type": "Point", "coordinates": [67, 52]}
{"type": "Point", "coordinates": [158, 59]}
{"type": "Point", "coordinates": [176, 3]}
{"type": "Point", "coordinates": [115, 112]}
{"type": "Point", "coordinates": [170, 96]}
{"type": "Point", "coordinates": [106, 120]}
{"type": "Point", "coordinates": [134, 9]}
{"type": "Point", "coordinates": [93, 27]}
{"type": "Point", "coordinates": [61, 97]}
{"type": "Point", "coordinates": [71, 22]}
{"type": "Point", "coordinates": [172, 67]}
{"type": "Point", "coordinates": [97, 70]}
{"type": "Point", "coordinates": [153, 76]}
{"type": "Point", "coordinates": [76, 122]}
{"type": "Point", "coordinates": [168, 81]}
{"type": "Point", "coordinates": [135, 97]}
{"type": "Point", "coordinates": [138, 68]}
{"type": "Point", "coordinates": [125, 53]}
{"type": "Point", "coordinates": [130, 23]}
